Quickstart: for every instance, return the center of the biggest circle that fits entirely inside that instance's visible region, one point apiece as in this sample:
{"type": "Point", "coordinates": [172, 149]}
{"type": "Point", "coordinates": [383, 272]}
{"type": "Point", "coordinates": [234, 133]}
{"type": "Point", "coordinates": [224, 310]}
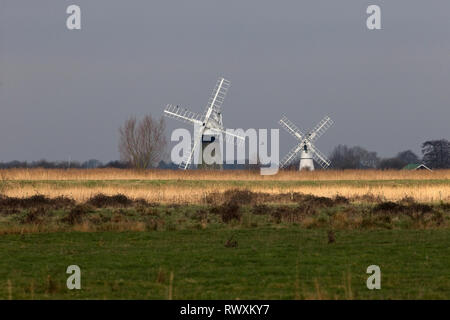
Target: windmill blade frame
{"type": "Point", "coordinates": [319, 156]}
{"type": "Point", "coordinates": [229, 136]}
{"type": "Point", "coordinates": [320, 129]}
{"type": "Point", "coordinates": [291, 155]}
{"type": "Point", "coordinates": [196, 141]}
{"type": "Point", "coordinates": [216, 100]}
{"type": "Point", "coordinates": [218, 96]}
{"type": "Point", "coordinates": [182, 114]}
{"type": "Point", "coordinates": [291, 128]}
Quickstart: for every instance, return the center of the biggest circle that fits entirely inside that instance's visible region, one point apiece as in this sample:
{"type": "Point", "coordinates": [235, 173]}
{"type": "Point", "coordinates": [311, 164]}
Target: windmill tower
{"type": "Point", "coordinates": [305, 147]}
{"type": "Point", "coordinates": [208, 127]}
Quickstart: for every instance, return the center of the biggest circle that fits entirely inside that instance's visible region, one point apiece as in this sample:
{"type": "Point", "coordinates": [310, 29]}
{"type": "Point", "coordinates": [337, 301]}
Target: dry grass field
{"type": "Point", "coordinates": [168, 186]}
{"type": "Point", "coordinates": [224, 175]}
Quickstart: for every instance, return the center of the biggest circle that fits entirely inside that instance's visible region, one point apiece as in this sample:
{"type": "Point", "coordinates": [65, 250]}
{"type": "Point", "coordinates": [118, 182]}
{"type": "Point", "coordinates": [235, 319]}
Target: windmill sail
{"type": "Point", "coordinates": [230, 137]}
{"type": "Point", "coordinates": [319, 157]}
{"type": "Point", "coordinates": [195, 143]}
{"type": "Point", "coordinates": [182, 114]}
{"type": "Point", "coordinates": [218, 95]}
{"type": "Point", "coordinates": [291, 128]}
{"type": "Point", "coordinates": [293, 154]}
{"type": "Point", "coordinates": [320, 128]}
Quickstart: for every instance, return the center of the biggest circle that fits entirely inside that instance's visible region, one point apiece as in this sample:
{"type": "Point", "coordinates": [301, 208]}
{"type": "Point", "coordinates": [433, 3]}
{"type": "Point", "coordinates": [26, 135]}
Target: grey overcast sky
{"type": "Point", "coordinates": [65, 93]}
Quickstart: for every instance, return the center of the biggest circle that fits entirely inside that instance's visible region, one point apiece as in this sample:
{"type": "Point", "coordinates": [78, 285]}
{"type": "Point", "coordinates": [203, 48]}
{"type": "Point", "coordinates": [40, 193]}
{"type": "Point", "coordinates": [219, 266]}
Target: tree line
{"type": "Point", "coordinates": [90, 164]}
{"type": "Point", "coordinates": [142, 145]}
{"type": "Point", "coordinates": [435, 155]}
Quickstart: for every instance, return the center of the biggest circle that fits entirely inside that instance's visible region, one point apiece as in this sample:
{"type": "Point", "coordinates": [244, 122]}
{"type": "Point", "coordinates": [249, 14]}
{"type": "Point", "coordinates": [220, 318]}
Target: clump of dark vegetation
{"type": "Point", "coordinates": [154, 223]}
{"type": "Point", "coordinates": [407, 200]}
{"type": "Point", "coordinates": [118, 201]}
{"type": "Point", "coordinates": [77, 213]}
{"type": "Point", "coordinates": [369, 198]}
{"type": "Point", "coordinates": [308, 209]}
{"type": "Point", "coordinates": [147, 210]}
{"type": "Point", "coordinates": [143, 202]}
{"type": "Point", "coordinates": [308, 205]}
{"type": "Point", "coordinates": [262, 197]}
{"type": "Point", "coordinates": [14, 205]}
{"type": "Point", "coordinates": [389, 207]}
{"type": "Point", "coordinates": [213, 198]}
{"type": "Point", "coordinates": [103, 201]}
{"type": "Point", "coordinates": [291, 214]}
{"type": "Point", "coordinates": [422, 215]}
{"type": "Point", "coordinates": [411, 209]}
{"type": "Point", "coordinates": [239, 197]}
{"type": "Point", "coordinates": [228, 212]}
{"type": "Point", "coordinates": [261, 209]}
{"type": "Point", "coordinates": [200, 215]}
{"type": "Point", "coordinates": [283, 213]}
{"type": "Point", "coordinates": [340, 200]}
{"type": "Point", "coordinates": [383, 220]}
{"type": "Point", "coordinates": [445, 206]}
{"type": "Point", "coordinates": [247, 197]}
{"type": "Point", "coordinates": [317, 202]}
{"type": "Point", "coordinates": [35, 216]}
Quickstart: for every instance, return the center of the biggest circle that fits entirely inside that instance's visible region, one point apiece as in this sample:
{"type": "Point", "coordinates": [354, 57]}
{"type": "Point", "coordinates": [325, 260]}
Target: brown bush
{"type": "Point", "coordinates": [228, 211]}
{"type": "Point", "coordinates": [445, 206]}
{"type": "Point", "coordinates": [407, 200]}
{"type": "Point", "coordinates": [35, 201]}
{"type": "Point", "coordinates": [412, 209]}
{"type": "Point", "coordinates": [35, 216]}
{"type": "Point", "coordinates": [200, 215]}
{"type": "Point", "coordinates": [368, 197]}
{"type": "Point", "coordinates": [103, 201]}
{"type": "Point", "coordinates": [261, 209]}
{"type": "Point", "coordinates": [239, 196]}
{"type": "Point", "coordinates": [389, 206]}
{"type": "Point", "coordinates": [287, 214]}
{"type": "Point", "coordinates": [317, 202]}
{"type": "Point", "coordinates": [77, 213]}
{"type": "Point", "coordinates": [341, 200]}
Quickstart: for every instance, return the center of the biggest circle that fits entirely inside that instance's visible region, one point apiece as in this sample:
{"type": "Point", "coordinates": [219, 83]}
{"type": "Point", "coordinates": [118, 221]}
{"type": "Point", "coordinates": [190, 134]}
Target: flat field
{"type": "Point", "coordinates": [224, 235]}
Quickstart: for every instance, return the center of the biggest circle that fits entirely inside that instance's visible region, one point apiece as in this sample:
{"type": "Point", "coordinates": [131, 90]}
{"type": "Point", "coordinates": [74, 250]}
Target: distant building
{"type": "Point", "coordinates": [416, 166]}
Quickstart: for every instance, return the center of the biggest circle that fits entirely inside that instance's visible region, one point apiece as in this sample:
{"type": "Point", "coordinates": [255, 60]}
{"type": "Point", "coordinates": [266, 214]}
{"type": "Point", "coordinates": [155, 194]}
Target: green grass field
{"type": "Point", "coordinates": [280, 262]}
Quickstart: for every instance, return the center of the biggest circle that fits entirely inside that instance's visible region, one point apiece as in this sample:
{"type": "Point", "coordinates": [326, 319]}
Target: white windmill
{"type": "Point", "coordinates": [305, 147]}
{"type": "Point", "coordinates": [208, 127]}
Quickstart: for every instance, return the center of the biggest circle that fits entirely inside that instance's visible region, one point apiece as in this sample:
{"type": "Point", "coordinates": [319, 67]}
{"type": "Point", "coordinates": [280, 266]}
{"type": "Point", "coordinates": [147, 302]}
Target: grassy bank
{"type": "Point", "coordinates": [267, 263]}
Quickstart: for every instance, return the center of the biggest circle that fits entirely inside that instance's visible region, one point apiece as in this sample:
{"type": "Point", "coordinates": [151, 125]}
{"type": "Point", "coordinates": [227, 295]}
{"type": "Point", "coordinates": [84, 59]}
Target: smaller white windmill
{"type": "Point", "coordinates": [209, 126]}
{"type": "Point", "coordinates": [305, 147]}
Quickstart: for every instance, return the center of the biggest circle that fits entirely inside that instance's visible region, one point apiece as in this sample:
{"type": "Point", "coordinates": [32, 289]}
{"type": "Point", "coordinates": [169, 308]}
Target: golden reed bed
{"type": "Point", "coordinates": [120, 174]}
{"type": "Point", "coordinates": [215, 181]}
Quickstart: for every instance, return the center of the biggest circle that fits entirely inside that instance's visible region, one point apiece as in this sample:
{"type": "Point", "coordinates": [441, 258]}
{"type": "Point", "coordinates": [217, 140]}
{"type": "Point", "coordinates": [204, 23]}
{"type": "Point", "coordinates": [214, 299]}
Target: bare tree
{"type": "Point", "coordinates": [142, 143]}
{"type": "Point", "coordinates": [344, 157]}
